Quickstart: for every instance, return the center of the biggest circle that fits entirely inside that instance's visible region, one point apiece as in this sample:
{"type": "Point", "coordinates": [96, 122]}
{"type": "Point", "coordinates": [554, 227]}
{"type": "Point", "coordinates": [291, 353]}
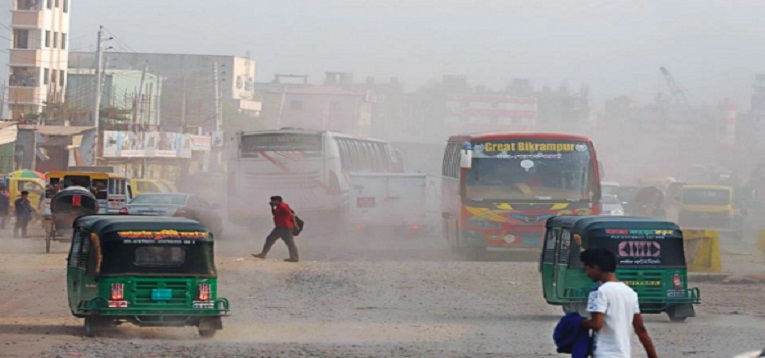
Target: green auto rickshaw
{"type": "Point", "coordinates": [650, 259]}
{"type": "Point", "coordinates": [149, 271]}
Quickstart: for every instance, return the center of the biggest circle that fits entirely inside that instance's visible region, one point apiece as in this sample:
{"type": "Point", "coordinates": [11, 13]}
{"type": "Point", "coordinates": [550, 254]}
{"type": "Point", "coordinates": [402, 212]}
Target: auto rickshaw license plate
{"type": "Point", "coordinates": [161, 294]}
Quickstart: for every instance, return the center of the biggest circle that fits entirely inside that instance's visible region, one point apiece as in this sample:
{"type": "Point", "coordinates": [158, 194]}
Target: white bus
{"type": "Point", "coordinates": [309, 168]}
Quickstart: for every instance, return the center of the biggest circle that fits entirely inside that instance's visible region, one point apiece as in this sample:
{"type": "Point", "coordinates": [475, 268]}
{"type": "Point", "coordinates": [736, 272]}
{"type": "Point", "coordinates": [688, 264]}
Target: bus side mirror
{"type": "Point", "coordinates": [466, 156]}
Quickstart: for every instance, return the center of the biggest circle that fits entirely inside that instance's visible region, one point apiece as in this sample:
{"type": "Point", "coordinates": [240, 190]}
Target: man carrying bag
{"type": "Point", "coordinates": [286, 228]}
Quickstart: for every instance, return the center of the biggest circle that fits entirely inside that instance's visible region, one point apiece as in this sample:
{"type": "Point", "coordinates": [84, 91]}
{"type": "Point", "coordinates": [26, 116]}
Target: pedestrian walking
{"type": "Point", "coordinates": [5, 206]}
{"type": "Point", "coordinates": [23, 214]}
{"type": "Point", "coordinates": [284, 224]}
{"type": "Point", "coordinates": [614, 309]}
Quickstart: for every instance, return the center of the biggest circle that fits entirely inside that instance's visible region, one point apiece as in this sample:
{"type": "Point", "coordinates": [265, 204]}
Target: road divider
{"type": "Point", "coordinates": [702, 250]}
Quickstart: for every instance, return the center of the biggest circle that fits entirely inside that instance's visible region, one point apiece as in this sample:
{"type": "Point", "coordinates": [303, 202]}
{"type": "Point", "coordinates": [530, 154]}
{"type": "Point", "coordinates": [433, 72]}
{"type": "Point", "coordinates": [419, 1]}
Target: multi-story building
{"type": "Point", "coordinates": [121, 92]}
{"type": "Point", "coordinates": [188, 95]}
{"type": "Point", "coordinates": [38, 55]}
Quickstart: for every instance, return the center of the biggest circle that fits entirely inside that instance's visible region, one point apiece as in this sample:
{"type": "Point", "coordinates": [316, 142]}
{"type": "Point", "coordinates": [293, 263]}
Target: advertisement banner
{"type": "Point", "coordinates": [200, 143]}
{"type": "Point", "coordinates": [125, 144]}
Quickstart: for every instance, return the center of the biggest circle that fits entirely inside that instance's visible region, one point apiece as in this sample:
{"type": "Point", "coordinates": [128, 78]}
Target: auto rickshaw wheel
{"type": "Point", "coordinates": [209, 326]}
{"type": "Point", "coordinates": [91, 326]}
{"type": "Point", "coordinates": [207, 333]}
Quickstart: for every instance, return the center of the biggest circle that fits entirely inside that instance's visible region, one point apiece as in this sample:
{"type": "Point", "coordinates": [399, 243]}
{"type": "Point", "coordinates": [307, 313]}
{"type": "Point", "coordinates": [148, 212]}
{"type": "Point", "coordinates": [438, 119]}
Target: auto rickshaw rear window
{"type": "Point", "coordinates": [160, 256]}
{"type": "Point", "coordinates": [194, 258]}
{"type": "Point", "coordinates": [666, 251]}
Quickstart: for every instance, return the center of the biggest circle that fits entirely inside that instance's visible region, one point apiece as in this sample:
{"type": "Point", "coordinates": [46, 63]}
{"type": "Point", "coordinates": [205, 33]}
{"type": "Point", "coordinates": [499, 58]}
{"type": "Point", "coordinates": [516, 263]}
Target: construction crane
{"type": "Point", "coordinates": [674, 89]}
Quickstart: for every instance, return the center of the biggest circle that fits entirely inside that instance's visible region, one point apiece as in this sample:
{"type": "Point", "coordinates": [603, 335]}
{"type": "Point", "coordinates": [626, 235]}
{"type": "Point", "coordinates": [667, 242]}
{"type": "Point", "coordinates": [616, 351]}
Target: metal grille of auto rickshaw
{"type": "Point", "coordinates": [644, 283]}
{"type": "Point", "coordinates": [143, 291]}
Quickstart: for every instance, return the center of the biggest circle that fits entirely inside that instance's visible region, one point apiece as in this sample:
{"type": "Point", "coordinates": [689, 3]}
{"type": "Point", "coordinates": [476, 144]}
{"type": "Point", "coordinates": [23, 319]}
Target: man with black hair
{"type": "Point", "coordinates": [284, 222]}
{"type": "Point", "coordinates": [23, 214]}
{"type": "Point", "coordinates": [614, 309]}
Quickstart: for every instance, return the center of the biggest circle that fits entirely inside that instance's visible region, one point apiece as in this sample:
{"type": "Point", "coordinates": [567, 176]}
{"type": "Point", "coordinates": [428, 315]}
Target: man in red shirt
{"type": "Point", "coordinates": [284, 220]}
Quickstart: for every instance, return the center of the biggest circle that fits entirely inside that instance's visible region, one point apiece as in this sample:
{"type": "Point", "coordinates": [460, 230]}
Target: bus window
{"type": "Point", "coordinates": [100, 189]}
{"type": "Point", "coordinates": [379, 157]}
{"type": "Point", "coordinates": [354, 149]}
{"type": "Point", "coordinates": [366, 149]}
{"type": "Point", "coordinates": [385, 158]}
{"type": "Point", "coordinates": [343, 155]}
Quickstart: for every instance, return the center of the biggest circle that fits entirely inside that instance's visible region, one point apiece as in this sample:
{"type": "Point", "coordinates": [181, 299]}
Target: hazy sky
{"type": "Point", "coordinates": [713, 48]}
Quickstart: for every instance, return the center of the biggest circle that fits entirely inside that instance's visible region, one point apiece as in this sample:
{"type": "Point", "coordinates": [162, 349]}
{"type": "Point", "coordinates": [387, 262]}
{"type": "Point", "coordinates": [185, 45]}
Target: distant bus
{"type": "Point", "coordinates": [516, 181]}
{"type": "Point", "coordinates": [309, 168]}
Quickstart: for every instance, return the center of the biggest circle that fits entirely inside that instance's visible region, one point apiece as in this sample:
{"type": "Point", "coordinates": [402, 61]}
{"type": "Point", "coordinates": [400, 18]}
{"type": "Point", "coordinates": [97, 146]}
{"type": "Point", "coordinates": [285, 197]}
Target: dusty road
{"type": "Point", "coordinates": [387, 297]}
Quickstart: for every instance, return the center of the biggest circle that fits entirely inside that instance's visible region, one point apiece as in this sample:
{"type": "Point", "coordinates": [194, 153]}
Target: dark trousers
{"type": "Point", "coordinates": [3, 221]}
{"type": "Point", "coordinates": [21, 223]}
{"type": "Point", "coordinates": [284, 234]}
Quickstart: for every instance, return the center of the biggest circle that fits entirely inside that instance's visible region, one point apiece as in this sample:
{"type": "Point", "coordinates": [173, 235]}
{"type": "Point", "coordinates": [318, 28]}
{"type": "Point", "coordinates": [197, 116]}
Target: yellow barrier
{"type": "Point", "coordinates": [761, 240]}
{"type": "Point", "coordinates": [702, 250]}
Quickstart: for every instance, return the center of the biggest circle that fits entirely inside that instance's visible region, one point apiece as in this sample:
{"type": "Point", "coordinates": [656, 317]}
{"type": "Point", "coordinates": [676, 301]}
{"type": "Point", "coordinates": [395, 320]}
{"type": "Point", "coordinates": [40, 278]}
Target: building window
{"type": "Point", "coordinates": [23, 77]}
{"type": "Point", "coordinates": [21, 39]}
{"type": "Point", "coordinates": [334, 106]}
{"type": "Point", "coordinates": [63, 41]}
{"type": "Point", "coordinates": [66, 6]}
{"type": "Point", "coordinates": [30, 5]}
{"type": "Point", "coordinates": [55, 40]}
{"type": "Point", "coordinates": [48, 3]}
{"type": "Point", "coordinates": [47, 38]}
{"type": "Point", "coordinates": [46, 76]}
{"type": "Point", "coordinates": [296, 105]}
{"type": "Point", "coordinates": [56, 3]}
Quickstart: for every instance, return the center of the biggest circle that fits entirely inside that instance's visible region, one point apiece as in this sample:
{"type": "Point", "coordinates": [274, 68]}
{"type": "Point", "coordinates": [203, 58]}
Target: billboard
{"type": "Point", "coordinates": [126, 144]}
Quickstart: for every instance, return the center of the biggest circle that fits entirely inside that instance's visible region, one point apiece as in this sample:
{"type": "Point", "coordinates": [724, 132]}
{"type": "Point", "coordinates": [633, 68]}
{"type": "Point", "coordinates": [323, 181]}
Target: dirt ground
{"type": "Point", "coordinates": [392, 297]}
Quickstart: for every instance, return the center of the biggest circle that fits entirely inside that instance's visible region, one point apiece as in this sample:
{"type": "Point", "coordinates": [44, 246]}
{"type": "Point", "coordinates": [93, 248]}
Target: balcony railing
{"type": "Point", "coordinates": [27, 19]}
{"type": "Point", "coordinates": [25, 58]}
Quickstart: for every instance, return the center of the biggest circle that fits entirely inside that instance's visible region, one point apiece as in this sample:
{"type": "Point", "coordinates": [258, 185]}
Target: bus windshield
{"type": "Point", "coordinates": [531, 170]}
{"type": "Point", "coordinates": [706, 197]}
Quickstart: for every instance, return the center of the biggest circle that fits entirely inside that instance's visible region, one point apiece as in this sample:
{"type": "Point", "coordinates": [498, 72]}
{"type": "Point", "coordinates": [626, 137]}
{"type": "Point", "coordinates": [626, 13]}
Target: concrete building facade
{"type": "Point", "coordinates": [188, 95]}
{"type": "Point", "coordinates": [38, 55]}
{"type": "Point", "coordinates": [121, 91]}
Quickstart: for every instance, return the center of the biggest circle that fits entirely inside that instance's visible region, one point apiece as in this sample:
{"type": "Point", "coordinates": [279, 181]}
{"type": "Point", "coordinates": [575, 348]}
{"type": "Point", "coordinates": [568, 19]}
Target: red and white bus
{"type": "Point", "coordinates": [310, 169]}
{"type": "Point", "coordinates": [499, 189]}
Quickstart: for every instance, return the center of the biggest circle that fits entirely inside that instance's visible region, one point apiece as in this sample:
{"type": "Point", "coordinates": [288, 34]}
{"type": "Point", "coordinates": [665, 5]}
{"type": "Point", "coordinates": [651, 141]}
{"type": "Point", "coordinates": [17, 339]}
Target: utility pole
{"type": "Point", "coordinates": [97, 101]}
{"type": "Point", "coordinates": [218, 109]}
{"type": "Point", "coordinates": [138, 102]}
{"type": "Point", "coordinates": [183, 107]}
{"type": "Point", "coordinates": [218, 113]}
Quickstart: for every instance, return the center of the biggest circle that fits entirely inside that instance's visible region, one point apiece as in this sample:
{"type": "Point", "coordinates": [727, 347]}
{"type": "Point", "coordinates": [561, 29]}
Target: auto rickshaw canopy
{"type": "Point", "coordinates": [148, 246]}
{"type": "Point", "coordinates": [636, 241]}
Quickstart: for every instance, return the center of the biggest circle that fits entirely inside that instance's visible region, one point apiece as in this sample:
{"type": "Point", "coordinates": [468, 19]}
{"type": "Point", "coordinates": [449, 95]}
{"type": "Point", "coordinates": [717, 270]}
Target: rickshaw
{"type": "Point", "coordinates": [649, 201]}
{"type": "Point", "coordinates": [148, 271]}
{"type": "Point", "coordinates": [650, 259]}
{"type": "Point", "coordinates": [66, 206]}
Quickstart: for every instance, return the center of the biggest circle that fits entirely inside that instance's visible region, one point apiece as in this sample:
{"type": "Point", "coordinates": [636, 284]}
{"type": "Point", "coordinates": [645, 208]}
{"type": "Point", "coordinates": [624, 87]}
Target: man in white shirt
{"type": "Point", "coordinates": [614, 309]}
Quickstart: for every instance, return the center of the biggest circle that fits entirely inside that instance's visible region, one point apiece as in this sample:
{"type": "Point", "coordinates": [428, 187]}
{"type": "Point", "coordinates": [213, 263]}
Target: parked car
{"type": "Point", "coordinates": [178, 205]}
{"type": "Point", "coordinates": [612, 206]}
